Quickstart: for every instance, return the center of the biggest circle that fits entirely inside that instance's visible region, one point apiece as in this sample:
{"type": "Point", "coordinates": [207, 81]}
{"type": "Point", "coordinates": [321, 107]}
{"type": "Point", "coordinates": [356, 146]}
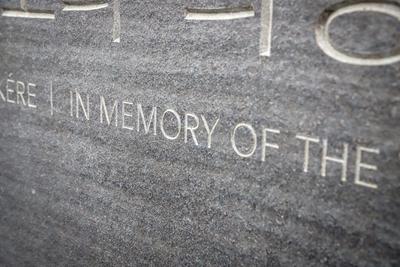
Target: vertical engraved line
{"type": "Point", "coordinates": [51, 99]}
{"type": "Point", "coordinates": [24, 5]}
{"type": "Point", "coordinates": [117, 22]}
{"type": "Point", "coordinates": [267, 7]}
{"type": "Point", "coordinates": [71, 102]}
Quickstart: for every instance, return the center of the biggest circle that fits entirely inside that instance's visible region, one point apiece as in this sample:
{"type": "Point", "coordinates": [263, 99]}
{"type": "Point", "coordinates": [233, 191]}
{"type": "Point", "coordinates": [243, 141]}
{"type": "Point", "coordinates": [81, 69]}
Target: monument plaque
{"type": "Point", "coordinates": [196, 132]}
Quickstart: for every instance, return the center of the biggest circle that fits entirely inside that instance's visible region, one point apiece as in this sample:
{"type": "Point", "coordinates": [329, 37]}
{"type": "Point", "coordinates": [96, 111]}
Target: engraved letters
{"type": "Point", "coordinates": [321, 31]}
{"type": "Point", "coordinates": [324, 42]}
{"type": "Point", "coordinates": [199, 131]}
{"type": "Point", "coordinates": [24, 12]}
{"type": "Point", "coordinates": [19, 93]}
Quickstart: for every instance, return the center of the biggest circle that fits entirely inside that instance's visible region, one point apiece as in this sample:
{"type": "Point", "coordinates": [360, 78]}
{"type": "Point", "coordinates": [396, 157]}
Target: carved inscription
{"type": "Point", "coordinates": [216, 14]}
{"type": "Point", "coordinates": [198, 130]}
{"type": "Point", "coordinates": [19, 93]}
{"type": "Point", "coordinates": [334, 12]}
{"type": "Point", "coordinates": [172, 125]}
{"type": "Point", "coordinates": [24, 12]}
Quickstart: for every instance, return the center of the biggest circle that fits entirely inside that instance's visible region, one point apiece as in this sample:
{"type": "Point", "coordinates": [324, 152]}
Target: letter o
{"type": "Point", "coordinates": [254, 135]}
{"type": "Point", "coordinates": [178, 119]}
{"type": "Point", "coordinates": [324, 42]}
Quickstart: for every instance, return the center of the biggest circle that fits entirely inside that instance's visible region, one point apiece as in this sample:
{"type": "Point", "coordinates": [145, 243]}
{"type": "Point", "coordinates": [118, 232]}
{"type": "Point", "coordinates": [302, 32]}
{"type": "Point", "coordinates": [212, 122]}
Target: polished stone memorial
{"type": "Point", "coordinates": [200, 133]}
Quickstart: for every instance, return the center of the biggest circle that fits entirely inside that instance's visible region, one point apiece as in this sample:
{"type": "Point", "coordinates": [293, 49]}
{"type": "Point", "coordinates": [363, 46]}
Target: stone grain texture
{"type": "Point", "coordinates": [79, 193]}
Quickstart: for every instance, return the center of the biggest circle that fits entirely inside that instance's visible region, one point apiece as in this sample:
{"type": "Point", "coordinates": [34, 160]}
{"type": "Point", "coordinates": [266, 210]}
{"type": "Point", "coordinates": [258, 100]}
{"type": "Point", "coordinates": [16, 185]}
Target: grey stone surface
{"type": "Point", "coordinates": [77, 192]}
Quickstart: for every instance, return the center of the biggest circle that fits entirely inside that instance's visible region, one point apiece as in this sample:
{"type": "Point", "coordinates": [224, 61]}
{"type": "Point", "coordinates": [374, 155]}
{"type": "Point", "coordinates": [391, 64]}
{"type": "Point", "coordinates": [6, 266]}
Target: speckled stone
{"type": "Point", "coordinates": [80, 193]}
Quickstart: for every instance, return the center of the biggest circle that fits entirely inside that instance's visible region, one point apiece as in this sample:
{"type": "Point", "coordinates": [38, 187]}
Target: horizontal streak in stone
{"type": "Point", "coordinates": [219, 13]}
{"type": "Point", "coordinates": [69, 7]}
{"type": "Point", "coordinates": [27, 14]}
